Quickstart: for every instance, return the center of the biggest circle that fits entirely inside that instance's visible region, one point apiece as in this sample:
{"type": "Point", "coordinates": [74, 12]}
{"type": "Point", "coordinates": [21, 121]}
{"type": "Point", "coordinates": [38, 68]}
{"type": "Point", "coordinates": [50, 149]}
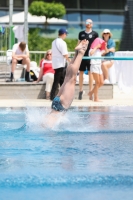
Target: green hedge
{"type": "Point", "coordinates": [39, 43]}
{"type": "Point", "coordinates": [117, 45]}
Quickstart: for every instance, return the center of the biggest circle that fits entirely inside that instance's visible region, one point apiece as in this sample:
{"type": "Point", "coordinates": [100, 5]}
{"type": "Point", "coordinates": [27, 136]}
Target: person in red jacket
{"type": "Point", "coordinates": [46, 73]}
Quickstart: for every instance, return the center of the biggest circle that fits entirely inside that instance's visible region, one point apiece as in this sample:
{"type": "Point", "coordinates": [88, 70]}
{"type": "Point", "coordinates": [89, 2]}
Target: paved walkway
{"type": "Point", "coordinates": [120, 99]}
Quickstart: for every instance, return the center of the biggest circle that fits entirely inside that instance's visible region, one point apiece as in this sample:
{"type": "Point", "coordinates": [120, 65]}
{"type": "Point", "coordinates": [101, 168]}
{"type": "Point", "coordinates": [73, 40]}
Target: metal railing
{"type": "Point", "coordinates": [34, 56]}
{"type": "Point", "coordinates": [2, 56]}
{"type": "Point", "coordinates": [38, 55]}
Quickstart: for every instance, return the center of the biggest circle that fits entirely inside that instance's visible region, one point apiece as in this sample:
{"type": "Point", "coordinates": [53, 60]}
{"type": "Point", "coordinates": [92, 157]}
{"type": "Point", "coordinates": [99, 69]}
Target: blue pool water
{"type": "Point", "coordinates": [88, 155]}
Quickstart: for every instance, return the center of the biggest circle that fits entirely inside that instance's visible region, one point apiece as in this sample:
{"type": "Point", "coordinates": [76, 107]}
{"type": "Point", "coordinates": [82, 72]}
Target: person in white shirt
{"type": "Point", "coordinates": [96, 50]}
{"type": "Point", "coordinates": [20, 55]}
{"type": "Point", "coordinates": [59, 58]}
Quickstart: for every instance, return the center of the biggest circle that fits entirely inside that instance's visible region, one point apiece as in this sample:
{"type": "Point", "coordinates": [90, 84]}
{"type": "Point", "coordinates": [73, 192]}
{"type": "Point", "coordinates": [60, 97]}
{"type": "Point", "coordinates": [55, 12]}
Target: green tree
{"type": "Point", "coordinates": [49, 10]}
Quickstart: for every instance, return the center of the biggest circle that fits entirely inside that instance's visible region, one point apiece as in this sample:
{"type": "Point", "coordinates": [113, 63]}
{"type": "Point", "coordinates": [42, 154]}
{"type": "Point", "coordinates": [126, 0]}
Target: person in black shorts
{"type": "Point", "coordinates": [89, 35]}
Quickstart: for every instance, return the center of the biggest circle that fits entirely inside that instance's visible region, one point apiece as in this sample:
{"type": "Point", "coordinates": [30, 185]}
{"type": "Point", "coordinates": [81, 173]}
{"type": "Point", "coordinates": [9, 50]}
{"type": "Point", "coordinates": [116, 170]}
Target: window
{"type": "Point", "coordinates": [3, 13]}
{"type": "Point", "coordinates": [67, 3]}
{"type": "Point", "coordinates": [18, 3]}
{"type": "Point", "coordinates": [73, 16]}
{"type": "Point", "coordinates": [111, 17]}
{"type": "Point", "coordinates": [90, 15]}
{"type": "Point", "coordinates": [103, 4]}
{"type": "Point", "coordinates": [4, 3]}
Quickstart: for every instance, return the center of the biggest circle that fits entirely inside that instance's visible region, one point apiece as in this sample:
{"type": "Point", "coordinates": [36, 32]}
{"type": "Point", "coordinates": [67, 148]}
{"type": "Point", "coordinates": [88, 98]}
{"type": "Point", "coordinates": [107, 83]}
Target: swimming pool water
{"type": "Point", "coordinates": [87, 154]}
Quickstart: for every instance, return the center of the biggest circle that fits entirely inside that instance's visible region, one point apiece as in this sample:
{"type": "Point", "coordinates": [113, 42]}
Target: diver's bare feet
{"type": "Point", "coordinates": [79, 46]}
{"type": "Point", "coordinates": [82, 46]}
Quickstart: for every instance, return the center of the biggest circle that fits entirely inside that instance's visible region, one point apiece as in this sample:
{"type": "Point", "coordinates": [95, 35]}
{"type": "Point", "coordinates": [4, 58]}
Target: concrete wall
{"type": "Point", "coordinates": [25, 90]}
{"type": "Point", "coordinates": [105, 92]}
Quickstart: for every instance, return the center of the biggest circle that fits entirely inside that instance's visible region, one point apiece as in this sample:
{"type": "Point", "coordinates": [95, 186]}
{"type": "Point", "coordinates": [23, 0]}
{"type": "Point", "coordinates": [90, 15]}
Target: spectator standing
{"type": "Point", "coordinates": [47, 73]}
{"type": "Point", "coordinates": [109, 51]}
{"type": "Point", "coordinates": [59, 58]}
{"type": "Point", "coordinates": [89, 35]}
{"type": "Point", "coordinates": [96, 50]}
{"type": "Point", "coordinates": [20, 55]}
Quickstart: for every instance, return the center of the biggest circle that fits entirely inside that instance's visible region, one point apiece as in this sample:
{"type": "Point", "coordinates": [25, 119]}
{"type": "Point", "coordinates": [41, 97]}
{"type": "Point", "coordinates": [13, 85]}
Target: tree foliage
{"type": "Point", "coordinates": [37, 42]}
{"type": "Point", "coordinates": [49, 10]}
{"type": "Point", "coordinates": [37, 8]}
{"type": "Point", "coordinates": [56, 10]}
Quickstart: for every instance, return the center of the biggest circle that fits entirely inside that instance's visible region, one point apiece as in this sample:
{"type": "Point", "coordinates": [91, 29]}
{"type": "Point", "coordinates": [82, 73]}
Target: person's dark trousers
{"type": "Point", "coordinates": [62, 76]}
{"type": "Point", "coordinates": [58, 79]}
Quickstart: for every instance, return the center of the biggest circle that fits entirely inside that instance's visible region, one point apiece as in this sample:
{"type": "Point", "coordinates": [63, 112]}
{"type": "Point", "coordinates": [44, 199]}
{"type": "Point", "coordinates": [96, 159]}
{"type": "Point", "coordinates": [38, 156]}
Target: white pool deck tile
{"type": "Point", "coordinates": [119, 99]}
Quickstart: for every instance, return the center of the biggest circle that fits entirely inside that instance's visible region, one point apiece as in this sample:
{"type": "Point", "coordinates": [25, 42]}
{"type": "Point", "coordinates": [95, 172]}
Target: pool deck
{"type": "Point", "coordinates": [119, 99]}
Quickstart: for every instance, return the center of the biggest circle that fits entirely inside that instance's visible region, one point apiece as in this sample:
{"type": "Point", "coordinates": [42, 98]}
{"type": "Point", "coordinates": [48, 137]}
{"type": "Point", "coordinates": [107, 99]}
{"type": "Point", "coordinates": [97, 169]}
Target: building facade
{"type": "Point", "coordinates": [104, 13]}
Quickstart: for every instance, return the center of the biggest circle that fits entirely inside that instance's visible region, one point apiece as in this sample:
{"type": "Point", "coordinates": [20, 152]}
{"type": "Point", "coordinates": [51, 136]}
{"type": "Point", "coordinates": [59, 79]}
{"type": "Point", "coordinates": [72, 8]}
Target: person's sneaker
{"type": "Point", "coordinates": [106, 81]}
{"type": "Point", "coordinates": [80, 95]}
{"type": "Point", "coordinates": [9, 80]}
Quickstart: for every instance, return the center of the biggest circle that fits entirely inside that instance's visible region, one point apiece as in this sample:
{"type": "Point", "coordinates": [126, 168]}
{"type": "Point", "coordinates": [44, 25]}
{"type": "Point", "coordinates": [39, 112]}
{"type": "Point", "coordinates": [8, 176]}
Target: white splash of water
{"type": "Point", "coordinates": [38, 119]}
